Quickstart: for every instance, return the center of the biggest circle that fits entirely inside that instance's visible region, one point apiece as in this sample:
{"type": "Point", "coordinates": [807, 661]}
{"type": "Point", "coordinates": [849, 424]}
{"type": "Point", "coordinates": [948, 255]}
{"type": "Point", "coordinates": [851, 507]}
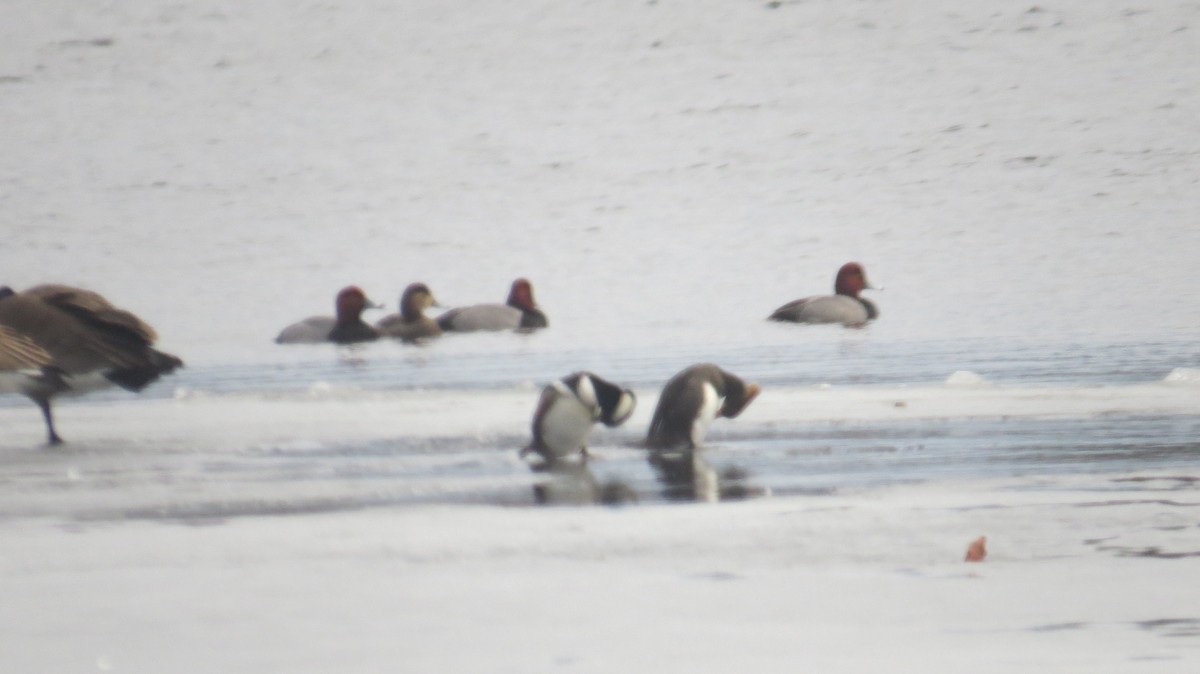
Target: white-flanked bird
{"type": "Point", "coordinates": [691, 400]}
{"type": "Point", "coordinates": [567, 410]}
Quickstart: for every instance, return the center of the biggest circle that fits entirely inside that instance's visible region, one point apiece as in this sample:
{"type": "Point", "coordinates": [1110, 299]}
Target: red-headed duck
{"type": "Point", "coordinates": [346, 327]}
{"type": "Point", "coordinates": [691, 400]}
{"type": "Point", "coordinates": [844, 307]}
{"type": "Point", "coordinates": [59, 340]}
{"type": "Point", "coordinates": [411, 323]}
{"type": "Point", "coordinates": [520, 312]}
{"type": "Point", "coordinates": [568, 408]}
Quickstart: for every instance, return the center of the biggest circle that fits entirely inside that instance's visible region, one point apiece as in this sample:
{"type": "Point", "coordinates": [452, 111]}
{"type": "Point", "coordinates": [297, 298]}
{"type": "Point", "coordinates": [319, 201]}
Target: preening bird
{"type": "Point", "coordinates": [58, 340]}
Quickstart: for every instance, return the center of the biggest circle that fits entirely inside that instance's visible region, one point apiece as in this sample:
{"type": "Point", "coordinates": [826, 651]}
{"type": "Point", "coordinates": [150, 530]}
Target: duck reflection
{"type": "Point", "coordinates": [683, 476]}
{"type": "Point", "coordinates": [686, 475]}
{"type": "Point", "coordinates": [574, 483]}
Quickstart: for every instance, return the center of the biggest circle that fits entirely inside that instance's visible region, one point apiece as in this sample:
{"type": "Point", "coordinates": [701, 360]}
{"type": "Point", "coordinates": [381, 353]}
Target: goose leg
{"type": "Point", "coordinates": [44, 404]}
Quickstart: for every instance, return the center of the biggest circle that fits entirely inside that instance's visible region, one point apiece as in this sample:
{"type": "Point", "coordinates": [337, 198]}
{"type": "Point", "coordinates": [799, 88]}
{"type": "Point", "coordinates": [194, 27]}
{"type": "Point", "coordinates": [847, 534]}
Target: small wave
{"type": "Point", "coordinates": [966, 379]}
{"type": "Point", "coordinates": [1184, 375]}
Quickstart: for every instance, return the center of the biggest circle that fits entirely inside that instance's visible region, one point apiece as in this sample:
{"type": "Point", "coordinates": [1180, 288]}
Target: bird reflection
{"type": "Point", "coordinates": [574, 483]}
{"type": "Point", "coordinates": [686, 475]}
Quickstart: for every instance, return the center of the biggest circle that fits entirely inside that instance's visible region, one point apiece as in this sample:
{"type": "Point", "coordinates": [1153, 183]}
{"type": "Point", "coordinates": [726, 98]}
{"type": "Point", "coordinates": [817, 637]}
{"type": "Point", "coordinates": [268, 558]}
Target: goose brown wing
{"type": "Point", "coordinates": [18, 352]}
{"type": "Point", "coordinates": [91, 308]}
{"type": "Point", "coordinates": [76, 342]}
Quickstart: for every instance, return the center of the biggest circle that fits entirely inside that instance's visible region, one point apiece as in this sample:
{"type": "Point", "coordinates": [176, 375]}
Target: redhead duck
{"type": "Point", "coordinates": [346, 328]}
{"type": "Point", "coordinates": [691, 400]}
{"type": "Point", "coordinates": [411, 323]}
{"type": "Point", "coordinates": [520, 312]}
{"type": "Point", "coordinates": [844, 307]}
{"type": "Point", "coordinates": [568, 408]}
{"type": "Point", "coordinates": [59, 340]}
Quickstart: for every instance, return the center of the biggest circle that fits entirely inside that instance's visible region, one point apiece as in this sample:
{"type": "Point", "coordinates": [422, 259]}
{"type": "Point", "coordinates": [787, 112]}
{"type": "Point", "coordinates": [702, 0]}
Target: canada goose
{"type": "Point", "coordinates": [59, 340]}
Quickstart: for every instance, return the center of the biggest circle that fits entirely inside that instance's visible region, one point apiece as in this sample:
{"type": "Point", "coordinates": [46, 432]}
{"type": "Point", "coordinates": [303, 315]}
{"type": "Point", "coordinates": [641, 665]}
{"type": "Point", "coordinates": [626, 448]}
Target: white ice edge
{"type": "Point", "coordinates": [358, 415]}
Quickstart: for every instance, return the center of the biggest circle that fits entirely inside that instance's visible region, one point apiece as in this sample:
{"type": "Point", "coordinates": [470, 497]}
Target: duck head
{"type": "Point", "coordinates": [521, 295]}
{"type": "Point", "coordinates": [738, 396]}
{"type": "Point", "coordinates": [351, 301]}
{"type": "Point", "coordinates": [416, 299]}
{"type": "Point", "coordinates": [610, 404]}
{"type": "Point", "coordinates": [851, 280]}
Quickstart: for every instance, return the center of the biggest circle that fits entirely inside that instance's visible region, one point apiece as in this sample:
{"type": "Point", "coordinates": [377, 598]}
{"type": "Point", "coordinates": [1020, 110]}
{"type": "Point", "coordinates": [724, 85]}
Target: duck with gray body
{"type": "Point", "coordinates": [692, 400]}
{"type": "Point", "coordinates": [59, 340]}
{"type": "Point", "coordinates": [845, 306]}
{"type": "Point", "coordinates": [567, 410]}
{"type": "Point", "coordinates": [519, 312]}
{"type": "Point", "coordinates": [411, 324]}
{"type": "Point", "coordinates": [347, 327]}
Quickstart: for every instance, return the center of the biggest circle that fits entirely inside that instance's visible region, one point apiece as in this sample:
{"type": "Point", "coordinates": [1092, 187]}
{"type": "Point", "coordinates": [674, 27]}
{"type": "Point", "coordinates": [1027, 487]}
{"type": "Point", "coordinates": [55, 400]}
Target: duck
{"type": "Point", "coordinates": [519, 312]}
{"type": "Point", "coordinates": [59, 340]}
{"type": "Point", "coordinates": [347, 327]}
{"type": "Point", "coordinates": [844, 306]}
{"type": "Point", "coordinates": [411, 323]}
{"type": "Point", "coordinates": [691, 400]}
{"type": "Point", "coordinates": [569, 407]}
